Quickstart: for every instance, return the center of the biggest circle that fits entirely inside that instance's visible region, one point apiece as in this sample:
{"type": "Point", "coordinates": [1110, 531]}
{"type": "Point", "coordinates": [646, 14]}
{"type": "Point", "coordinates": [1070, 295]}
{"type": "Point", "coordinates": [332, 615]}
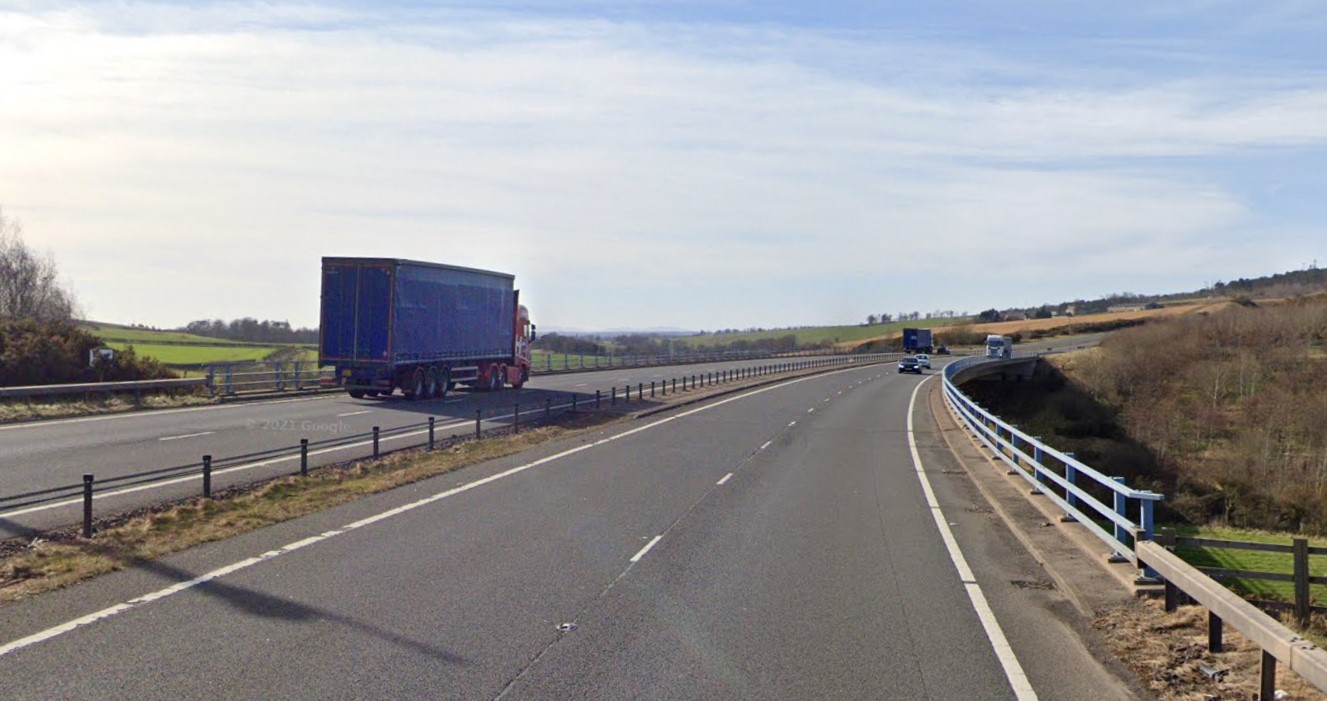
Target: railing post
{"type": "Point", "coordinates": [304, 457]}
{"type": "Point", "coordinates": [1267, 678]}
{"type": "Point", "coordinates": [1121, 508]}
{"type": "Point", "coordinates": [207, 476]}
{"type": "Point", "coordinates": [376, 431]}
{"type": "Point", "coordinates": [432, 422]}
{"type": "Point", "coordinates": [1302, 600]}
{"type": "Point", "coordinates": [598, 395]}
{"type": "Point", "coordinates": [651, 389]}
{"type": "Point", "coordinates": [478, 418]}
{"type": "Point", "coordinates": [573, 402]}
{"type": "Point", "coordinates": [640, 387]}
{"type": "Point", "coordinates": [612, 396]}
{"type": "Point", "coordinates": [87, 506]}
{"type": "Point", "coordinates": [516, 419]}
{"type": "Point", "coordinates": [1214, 641]}
{"type": "Point", "coordinates": [1071, 476]}
{"type": "Point", "coordinates": [548, 410]}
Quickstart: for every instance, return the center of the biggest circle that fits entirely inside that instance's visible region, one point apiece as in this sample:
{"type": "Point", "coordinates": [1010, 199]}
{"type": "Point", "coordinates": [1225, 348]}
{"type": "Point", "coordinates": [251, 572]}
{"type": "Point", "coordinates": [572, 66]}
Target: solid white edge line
{"type": "Point", "coordinates": [354, 413]}
{"type": "Point", "coordinates": [725, 479]}
{"type": "Point", "coordinates": [1013, 671]}
{"type": "Point", "coordinates": [117, 609]}
{"type": "Point", "coordinates": [639, 555]}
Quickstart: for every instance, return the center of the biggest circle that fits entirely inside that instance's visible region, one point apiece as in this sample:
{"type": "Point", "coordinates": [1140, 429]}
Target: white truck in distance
{"type": "Point", "coordinates": [999, 346]}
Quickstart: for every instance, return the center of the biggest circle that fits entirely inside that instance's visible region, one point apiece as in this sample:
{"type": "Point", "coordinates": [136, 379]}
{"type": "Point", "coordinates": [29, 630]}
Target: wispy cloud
{"type": "Point", "coordinates": [235, 144]}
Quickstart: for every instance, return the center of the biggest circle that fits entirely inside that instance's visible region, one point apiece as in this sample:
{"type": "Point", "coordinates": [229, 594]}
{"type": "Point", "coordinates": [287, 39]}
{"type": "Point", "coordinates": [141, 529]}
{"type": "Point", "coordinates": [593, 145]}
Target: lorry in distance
{"type": "Point", "coordinates": [999, 346]}
{"type": "Point", "coordinates": [917, 341]}
{"type": "Point", "coordinates": [423, 328]}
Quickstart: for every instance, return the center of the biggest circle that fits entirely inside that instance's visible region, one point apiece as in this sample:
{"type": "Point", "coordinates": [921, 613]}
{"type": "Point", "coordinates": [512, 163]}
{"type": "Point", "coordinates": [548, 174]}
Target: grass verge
{"type": "Point", "coordinates": [70, 406]}
{"type": "Point", "coordinates": [60, 558]}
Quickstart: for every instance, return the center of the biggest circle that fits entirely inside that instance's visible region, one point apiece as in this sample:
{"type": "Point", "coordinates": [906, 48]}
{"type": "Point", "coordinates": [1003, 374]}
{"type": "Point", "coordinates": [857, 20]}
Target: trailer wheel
{"type": "Point", "coordinates": [416, 385]}
{"type": "Point", "coordinates": [434, 388]}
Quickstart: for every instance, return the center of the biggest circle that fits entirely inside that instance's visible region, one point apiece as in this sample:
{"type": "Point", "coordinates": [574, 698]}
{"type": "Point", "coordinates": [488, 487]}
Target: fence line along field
{"type": "Point", "coordinates": [178, 349]}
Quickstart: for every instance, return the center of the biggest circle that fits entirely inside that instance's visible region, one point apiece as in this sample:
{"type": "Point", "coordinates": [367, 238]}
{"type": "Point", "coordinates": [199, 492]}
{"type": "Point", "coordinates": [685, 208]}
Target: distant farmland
{"type": "Point", "coordinates": [179, 349]}
{"type": "Point", "coordinates": [821, 334]}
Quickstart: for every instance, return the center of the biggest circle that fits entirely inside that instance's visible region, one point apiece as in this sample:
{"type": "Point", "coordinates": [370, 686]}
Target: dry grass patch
{"type": "Point", "coordinates": [58, 559]}
{"type": "Point", "coordinates": [1168, 651]}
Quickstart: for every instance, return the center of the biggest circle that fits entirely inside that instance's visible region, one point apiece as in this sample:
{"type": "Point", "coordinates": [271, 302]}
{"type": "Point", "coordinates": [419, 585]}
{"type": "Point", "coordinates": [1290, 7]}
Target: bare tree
{"type": "Point", "coordinates": [29, 283]}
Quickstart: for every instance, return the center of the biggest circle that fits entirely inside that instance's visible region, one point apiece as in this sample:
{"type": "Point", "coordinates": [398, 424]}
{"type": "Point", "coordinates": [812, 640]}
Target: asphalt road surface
{"type": "Point", "coordinates": [804, 540]}
{"type": "Point", "coordinates": [44, 454]}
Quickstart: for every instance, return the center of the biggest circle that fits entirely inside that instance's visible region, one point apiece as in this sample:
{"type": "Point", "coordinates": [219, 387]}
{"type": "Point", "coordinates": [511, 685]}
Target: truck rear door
{"type": "Point", "coordinates": [357, 308]}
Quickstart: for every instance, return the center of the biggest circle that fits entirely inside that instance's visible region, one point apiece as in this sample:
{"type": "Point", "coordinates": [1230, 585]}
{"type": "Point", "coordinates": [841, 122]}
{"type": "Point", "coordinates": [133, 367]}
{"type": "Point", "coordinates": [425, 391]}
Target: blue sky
{"type": "Point", "coordinates": [643, 164]}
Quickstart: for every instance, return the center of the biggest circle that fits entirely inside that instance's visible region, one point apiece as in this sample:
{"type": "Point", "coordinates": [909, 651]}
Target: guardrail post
{"type": "Point", "coordinates": [230, 388]}
{"type": "Point", "coordinates": [640, 391]}
{"type": "Point", "coordinates": [573, 402]}
{"type": "Point", "coordinates": [1070, 476]}
{"type": "Point", "coordinates": [612, 396]}
{"type": "Point", "coordinates": [598, 394]}
{"type": "Point", "coordinates": [478, 414]}
{"type": "Point", "coordinates": [212, 379]}
{"type": "Point", "coordinates": [516, 419]}
{"type": "Point", "coordinates": [1302, 600]}
{"type": "Point", "coordinates": [1121, 508]}
{"type": "Point", "coordinates": [548, 409]}
{"type": "Point", "coordinates": [304, 457]}
{"type": "Point", "coordinates": [432, 422]}
{"type": "Point", "coordinates": [651, 389]}
{"type": "Point", "coordinates": [675, 386]}
{"type": "Point", "coordinates": [207, 476]}
{"type": "Point", "coordinates": [376, 431]}
{"type": "Point", "coordinates": [87, 506]}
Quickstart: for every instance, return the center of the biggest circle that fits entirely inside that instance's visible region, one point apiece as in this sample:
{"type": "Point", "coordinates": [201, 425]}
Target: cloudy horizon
{"type": "Point", "coordinates": [702, 165]}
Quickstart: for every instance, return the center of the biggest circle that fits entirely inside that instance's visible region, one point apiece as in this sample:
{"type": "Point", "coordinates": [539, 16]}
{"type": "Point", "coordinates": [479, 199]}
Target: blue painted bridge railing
{"type": "Point", "coordinates": [1121, 523]}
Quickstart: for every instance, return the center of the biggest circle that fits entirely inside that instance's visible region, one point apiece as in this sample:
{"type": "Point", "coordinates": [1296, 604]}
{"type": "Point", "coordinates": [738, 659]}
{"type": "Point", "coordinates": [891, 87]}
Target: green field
{"type": "Point", "coordinates": [820, 334]}
{"type": "Point", "coordinates": [129, 334]}
{"type": "Point", "coordinates": [1254, 561]}
{"type": "Point", "coordinates": [176, 348]}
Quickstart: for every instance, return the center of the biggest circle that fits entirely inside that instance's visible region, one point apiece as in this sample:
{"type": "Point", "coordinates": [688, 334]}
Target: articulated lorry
{"type": "Point", "coordinates": [917, 341]}
{"type": "Point", "coordinates": [999, 347]}
{"type": "Point", "coordinates": [423, 328]}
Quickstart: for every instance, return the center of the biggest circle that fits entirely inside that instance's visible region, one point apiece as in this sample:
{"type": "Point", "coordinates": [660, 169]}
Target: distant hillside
{"type": "Point", "coordinates": [1221, 411]}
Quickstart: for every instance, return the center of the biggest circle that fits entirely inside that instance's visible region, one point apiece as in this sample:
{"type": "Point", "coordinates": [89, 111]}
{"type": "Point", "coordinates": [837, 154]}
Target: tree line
{"type": "Point", "coordinates": [252, 330]}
